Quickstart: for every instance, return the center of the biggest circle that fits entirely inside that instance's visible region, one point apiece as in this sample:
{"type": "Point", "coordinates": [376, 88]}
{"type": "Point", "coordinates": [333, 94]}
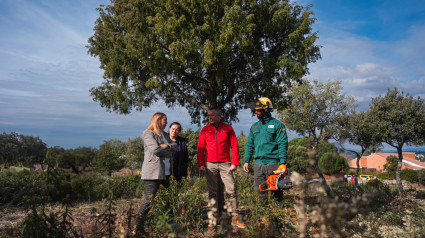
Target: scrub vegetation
{"type": "Point", "coordinates": [54, 203]}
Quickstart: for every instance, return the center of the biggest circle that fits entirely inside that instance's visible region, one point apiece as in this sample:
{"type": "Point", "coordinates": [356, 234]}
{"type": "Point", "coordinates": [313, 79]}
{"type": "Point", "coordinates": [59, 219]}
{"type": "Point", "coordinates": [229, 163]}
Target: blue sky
{"type": "Point", "coordinates": [46, 73]}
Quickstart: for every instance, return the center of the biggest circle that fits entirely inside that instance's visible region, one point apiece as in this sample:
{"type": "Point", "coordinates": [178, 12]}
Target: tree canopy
{"type": "Point", "coordinates": [16, 148]}
{"type": "Point", "coordinates": [399, 120]}
{"type": "Point", "coordinates": [332, 163]}
{"type": "Point", "coordinates": [198, 54]}
{"type": "Point", "coordinates": [357, 129]}
{"type": "Point", "coordinates": [298, 159]}
{"type": "Point", "coordinates": [111, 156]}
{"type": "Point", "coordinates": [313, 112]}
{"type": "Point", "coordinates": [314, 109]}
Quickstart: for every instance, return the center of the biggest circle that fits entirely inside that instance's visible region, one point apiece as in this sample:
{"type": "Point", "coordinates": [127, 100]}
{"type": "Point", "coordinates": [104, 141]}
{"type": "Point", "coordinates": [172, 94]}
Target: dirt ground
{"type": "Point", "coordinates": [85, 216]}
{"type": "Point", "coordinates": [10, 215]}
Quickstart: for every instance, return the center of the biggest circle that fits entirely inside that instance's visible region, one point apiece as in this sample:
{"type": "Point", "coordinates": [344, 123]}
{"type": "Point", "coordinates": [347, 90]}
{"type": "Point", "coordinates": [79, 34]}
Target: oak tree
{"type": "Point", "coordinates": [357, 129]}
{"type": "Point", "coordinates": [196, 54]}
{"type": "Point", "coordinates": [111, 156]}
{"type": "Point", "coordinates": [312, 113]}
{"type": "Point", "coordinates": [399, 120]}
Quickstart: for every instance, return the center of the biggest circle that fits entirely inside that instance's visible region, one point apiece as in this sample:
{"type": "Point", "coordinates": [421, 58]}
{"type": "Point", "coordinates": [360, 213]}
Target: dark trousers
{"type": "Point", "coordinates": [151, 187]}
{"type": "Point", "coordinates": [261, 173]}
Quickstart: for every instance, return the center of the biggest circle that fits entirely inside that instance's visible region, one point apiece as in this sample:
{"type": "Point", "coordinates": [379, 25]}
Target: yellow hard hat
{"type": "Point", "coordinates": [261, 103]}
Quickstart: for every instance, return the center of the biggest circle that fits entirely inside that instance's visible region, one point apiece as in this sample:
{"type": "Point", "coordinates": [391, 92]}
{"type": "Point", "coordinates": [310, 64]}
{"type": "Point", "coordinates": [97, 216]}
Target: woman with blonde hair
{"type": "Point", "coordinates": [158, 150]}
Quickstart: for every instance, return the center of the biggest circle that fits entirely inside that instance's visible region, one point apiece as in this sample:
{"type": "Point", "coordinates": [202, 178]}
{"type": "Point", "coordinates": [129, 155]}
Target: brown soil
{"type": "Point", "coordinates": [85, 216]}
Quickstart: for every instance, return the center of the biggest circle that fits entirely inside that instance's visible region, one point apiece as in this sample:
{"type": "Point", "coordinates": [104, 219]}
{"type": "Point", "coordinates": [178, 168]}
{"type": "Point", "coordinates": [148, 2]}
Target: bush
{"type": "Point", "coordinates": [13, 230]}
{"type": "Point", "coordinates": [298, 159]}
{"type": "Point", "coordinates": [332, 163]}
{"type": "Point", "coordinates": [386, 176]}
{"type": "Point", "coordinates": [15, 185]}
{"type": "Point", "coordinates": [179, 205]}
{"type": "Point", "coordinates": [47, 223]}
{"type": "Point", "coordinates": [380, 192]}
{"type": "Point", "coordinates": [201, 183]}
{"type": "Point", "coordinates": [273, 217]}
{"type": "Point", "coordinates": [57, 183]}
{"type": "Point", "coordinates": [421, 176]}
{"type": "Point", "coordinates": [345, 190]}
{"type": "Point", "coordinates": [83, 187]}
{"type": "Point", "coordinates": [121, 187]}
{"type": "Point", "coordinates": [410, 175]}
{"type": "Point", "coordinates": [244, 182]}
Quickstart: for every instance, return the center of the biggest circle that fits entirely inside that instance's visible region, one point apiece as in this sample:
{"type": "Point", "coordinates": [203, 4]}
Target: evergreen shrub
{"type": "Point", "coordinates": [381, 192]}
{"type": "Point", "coordinates": [421, 176]}
{"type": "Point", "coordinates": [121, 187]}
{"type": "Point", "coordinates": [332, 163]}
{"type": "Point", "coordinates": [410, 175]}
{"type": "Point", "coordinates": [83, 186]}
{"type": "Point", "coordinates": [15, 185]}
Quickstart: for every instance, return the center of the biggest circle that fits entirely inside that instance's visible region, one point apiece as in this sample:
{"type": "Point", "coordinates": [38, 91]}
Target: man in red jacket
{"type": "Point", "coordinates": [214, 145]}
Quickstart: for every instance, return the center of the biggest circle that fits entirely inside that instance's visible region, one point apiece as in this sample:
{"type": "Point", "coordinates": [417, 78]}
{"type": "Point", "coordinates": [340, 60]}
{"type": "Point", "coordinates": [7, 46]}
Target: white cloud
{"type": "Point", "coordinates": [367, 68]}
{"type": "Point", "coordinates": [46, 74]}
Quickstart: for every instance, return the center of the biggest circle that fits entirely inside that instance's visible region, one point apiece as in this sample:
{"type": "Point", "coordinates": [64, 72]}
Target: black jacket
{"type": "Point", "coordinates": [180, 159]}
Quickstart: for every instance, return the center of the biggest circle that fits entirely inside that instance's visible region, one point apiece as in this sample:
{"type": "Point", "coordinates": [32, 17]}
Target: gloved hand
{"type": "Point", "coordinates": [282, 168]}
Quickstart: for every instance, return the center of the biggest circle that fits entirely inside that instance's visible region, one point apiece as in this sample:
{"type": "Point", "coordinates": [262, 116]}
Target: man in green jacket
{"type": "Point", "coordinates": [268, 139]}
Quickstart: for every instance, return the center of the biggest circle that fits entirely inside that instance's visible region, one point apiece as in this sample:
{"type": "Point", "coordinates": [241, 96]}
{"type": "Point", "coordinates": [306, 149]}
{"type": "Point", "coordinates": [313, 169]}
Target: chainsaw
{"type": "Point", "coordinates": [278, 180]}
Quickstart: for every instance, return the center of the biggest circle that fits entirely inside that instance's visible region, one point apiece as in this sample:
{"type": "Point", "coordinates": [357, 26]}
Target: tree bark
{"type": "Point", "coordinates": [398, 172]}
{"type": "Point", "coordinates": [357, 171]}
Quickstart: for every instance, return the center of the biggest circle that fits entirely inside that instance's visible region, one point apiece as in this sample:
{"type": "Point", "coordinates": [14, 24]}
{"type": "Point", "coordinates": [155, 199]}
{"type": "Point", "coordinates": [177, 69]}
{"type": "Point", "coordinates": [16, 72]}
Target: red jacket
{"type": "Point", "coordinates": [214, 144]}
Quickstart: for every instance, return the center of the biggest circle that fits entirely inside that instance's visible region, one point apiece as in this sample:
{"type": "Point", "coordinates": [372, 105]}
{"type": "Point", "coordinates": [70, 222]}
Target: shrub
{"type": "Point", "coordinates": [391, 165]}
{"type": "Point", "coordinates": [273, 217]}
{"type": "Point", "coordinates": [83, 187]}
{"type": "Point", "coordinates": [52, 186]}
{"type": "Point", "coordinates": [15, 185]}
{"type": "Point", "coordinates": [421, 176]}
{"type": "Point", "coordinates": [57, 184]}
{"type": "Point", "coordinates": [345, 190]}
{"type": "Point", "coordinates": [326, 147]}
{"type": "Point", "coordinates": [332, 163]}
{"type": "Point", "coordinates": [410, 175]}
{"type": "Point", "coordinates": [298, 159]}
{"type": "Point", "coordinates": [201, 183]}
{"type": "Point", "coordinates": [177, 210]}
{"type": "Point", "coordinates": [121, 187]}
{"type": "Point", "coordinates": [386, 176]}
{"type": "Point", "coordinates": [14, 230]}
{"type": "Point", "coordinates": [244, 182]}
{"type": "Point", "coordinates": [380, 192]}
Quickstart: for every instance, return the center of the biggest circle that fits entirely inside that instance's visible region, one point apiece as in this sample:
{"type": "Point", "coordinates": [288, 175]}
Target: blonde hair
{"type": "Point", "coordinates": [154, 125]}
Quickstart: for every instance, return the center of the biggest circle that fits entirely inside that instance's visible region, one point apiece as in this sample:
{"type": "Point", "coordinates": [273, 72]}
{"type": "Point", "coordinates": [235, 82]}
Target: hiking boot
{"type": "Point", "coordinates": [236, 222]}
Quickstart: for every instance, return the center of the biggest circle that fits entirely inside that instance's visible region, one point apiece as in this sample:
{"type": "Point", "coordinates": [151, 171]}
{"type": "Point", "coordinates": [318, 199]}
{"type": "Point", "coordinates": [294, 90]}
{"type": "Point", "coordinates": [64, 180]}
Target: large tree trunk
{"type": "Point", "coordinates": [398, 172]}
{"type": "Point", "coordinates": [325, 185]}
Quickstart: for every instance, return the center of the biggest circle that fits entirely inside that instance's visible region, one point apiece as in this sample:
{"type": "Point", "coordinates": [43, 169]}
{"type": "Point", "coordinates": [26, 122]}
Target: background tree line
{"type": "Point", "coordinates": [319, 112]}
{"type": "Point", "coordinates": [115, 154]}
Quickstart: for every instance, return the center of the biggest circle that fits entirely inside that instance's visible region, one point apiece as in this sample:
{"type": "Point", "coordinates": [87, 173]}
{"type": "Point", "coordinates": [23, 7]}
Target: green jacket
{"type": "Point", "coordinates": [268, 139]}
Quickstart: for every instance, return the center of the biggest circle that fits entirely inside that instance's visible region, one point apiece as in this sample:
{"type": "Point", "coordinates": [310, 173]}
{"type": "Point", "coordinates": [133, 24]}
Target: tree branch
{"type": "Point", "coordinates": [188, 98]}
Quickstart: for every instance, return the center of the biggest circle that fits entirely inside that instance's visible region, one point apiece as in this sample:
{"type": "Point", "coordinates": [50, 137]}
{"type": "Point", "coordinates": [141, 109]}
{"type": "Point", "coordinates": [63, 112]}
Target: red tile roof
{"type": "Point", "coordinates": [377, 161]}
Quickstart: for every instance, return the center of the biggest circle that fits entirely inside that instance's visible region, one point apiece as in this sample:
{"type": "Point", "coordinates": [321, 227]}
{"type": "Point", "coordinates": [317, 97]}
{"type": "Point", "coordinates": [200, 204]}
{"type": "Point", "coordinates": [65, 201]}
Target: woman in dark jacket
{"type": "Point", "coordinates": [180, 157]}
